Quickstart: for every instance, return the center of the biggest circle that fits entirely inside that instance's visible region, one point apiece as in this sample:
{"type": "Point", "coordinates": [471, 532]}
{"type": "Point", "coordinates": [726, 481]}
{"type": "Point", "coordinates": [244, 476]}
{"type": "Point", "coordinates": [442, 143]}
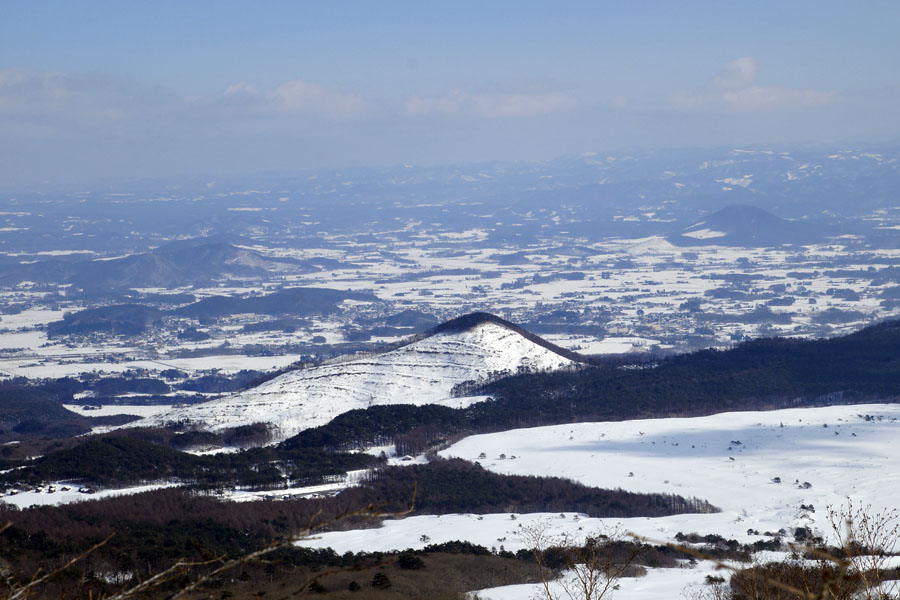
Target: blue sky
{"type": "Point", "coordinates": [91, 90]}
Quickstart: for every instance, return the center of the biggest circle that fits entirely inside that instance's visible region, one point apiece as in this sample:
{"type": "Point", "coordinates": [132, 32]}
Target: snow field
{"type": "Point", "coordinates": [734, 460]}
{"type": "Point", "coordinates": [119, 409]}
{"type": "Point", "coordinates": [657, 584]}
{"type": "Point", "coordinates": [841, 451]}
{"type": "Point", "coordinates": [29, 498]}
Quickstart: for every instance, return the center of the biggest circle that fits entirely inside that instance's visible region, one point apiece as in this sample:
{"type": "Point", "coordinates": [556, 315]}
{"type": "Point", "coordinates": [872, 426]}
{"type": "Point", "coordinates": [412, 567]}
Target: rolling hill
{"type": "Point", "coordinates": [470, 348]}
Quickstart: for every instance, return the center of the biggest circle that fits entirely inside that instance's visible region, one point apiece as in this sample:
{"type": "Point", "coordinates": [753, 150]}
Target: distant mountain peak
{"type": "Point", "coordinates": [748, 226]}
{"type": "Point", "coordinates": [470, 321]}
{"type": "Point", "coordinates": [743, 214]}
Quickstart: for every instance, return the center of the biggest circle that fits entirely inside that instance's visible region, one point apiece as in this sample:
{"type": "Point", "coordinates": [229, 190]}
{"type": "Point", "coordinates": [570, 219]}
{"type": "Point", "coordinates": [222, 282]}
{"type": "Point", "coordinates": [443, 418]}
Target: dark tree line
{"type": "Point", "coordinates": [456, 485]}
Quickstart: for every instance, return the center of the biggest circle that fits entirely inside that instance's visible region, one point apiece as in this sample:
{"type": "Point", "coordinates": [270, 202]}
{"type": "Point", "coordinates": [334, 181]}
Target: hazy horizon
{"type": "Point", "coordinates": [103, 90]}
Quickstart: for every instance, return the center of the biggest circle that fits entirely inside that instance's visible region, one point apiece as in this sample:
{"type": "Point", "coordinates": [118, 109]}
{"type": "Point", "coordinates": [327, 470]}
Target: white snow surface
{"type": "Point", "coordinates": [704, 234]}
{"type": "Point", "coordinates": [27, 498]}
{"type": "Point", "coordinates": [834, 449]}
{"type": "Point", "coordinates": [686, 456]}
{"type": "Point", "coordinates": [118, 409]}
{"type": "Point", "coordinates": [657, 584]}
{"type": "Point", "coordinates": [423, 372]}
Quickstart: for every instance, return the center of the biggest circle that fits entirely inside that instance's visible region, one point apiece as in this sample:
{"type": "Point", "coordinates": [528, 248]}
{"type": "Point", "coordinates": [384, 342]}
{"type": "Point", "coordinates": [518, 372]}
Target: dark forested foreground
{"type": "Point", "coordinates": [759, 375]}
{"type": "Point", "coordinates": [153, 530]}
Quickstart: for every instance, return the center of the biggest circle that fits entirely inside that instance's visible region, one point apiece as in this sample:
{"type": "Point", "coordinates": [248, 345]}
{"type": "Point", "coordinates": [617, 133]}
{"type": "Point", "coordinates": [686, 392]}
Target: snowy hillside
{"type": "Point", "coordinates": [423, 372]}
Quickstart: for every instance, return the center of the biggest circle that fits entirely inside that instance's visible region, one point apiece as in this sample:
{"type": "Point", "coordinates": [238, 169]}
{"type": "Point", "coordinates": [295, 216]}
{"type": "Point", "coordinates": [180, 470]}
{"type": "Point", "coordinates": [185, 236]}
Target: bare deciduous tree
{"type": "Point", "coordinates": [584, 567]}
{"type": "Point", "coordinates": [867, 540]}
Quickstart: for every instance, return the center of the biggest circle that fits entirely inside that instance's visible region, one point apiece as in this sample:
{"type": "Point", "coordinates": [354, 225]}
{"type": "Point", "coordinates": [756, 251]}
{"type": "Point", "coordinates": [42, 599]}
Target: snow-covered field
{"type": "Point", "coordinates": [642, 302]}
{"type": "Point", "coordinates": [822, 457]}
{"type": "Point", "coordinates": [44, 497]}
{"type": "Point", "coordinates": [423, 372]}
{"type": "Point", "coordinates": [352, 478]}
{"type": "Point", "coordinates": [657, 584]}
{"type": "Point", "coordinates": [119, 409]}
{"type": "Point", "coordinates": [607, 345]}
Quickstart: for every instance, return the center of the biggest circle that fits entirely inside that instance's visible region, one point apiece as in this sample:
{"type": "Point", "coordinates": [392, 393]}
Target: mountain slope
{"type": "Point", "coordinates": [422, 372]}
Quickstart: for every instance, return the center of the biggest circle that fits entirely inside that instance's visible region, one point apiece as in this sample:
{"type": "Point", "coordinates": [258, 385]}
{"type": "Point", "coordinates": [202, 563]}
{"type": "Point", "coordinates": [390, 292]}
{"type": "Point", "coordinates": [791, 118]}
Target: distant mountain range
{"type": "Point", "coordinates": [589, 197]}
{"type": "Point", "coordinates": [198, 261]}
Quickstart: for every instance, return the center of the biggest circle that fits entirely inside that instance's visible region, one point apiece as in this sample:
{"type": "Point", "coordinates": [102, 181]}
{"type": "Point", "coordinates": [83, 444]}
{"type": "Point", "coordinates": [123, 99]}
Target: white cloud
{"type": "Point", "coordinates": [739, 73]}
{"type": "Point", "coordinates": [76, 100]}
{"type": "Point", "coordinates": [492, 105]}
{"type": "Point", "coordinates": [296, 97]}
{"type": "Point", "coordinates": [733, 89]}
{"type": "Point", "coordinates": [764, 98]}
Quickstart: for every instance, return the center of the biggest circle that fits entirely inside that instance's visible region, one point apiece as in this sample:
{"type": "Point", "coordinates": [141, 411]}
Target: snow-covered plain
{"type": "Point", "coordinates": [423, 372]}
{"type": "Point", "coordinates": [841, 452]}
{"type": "Point", "coordinates": [730, 459]}
{"type": "Point", "coordinates": [703, 234]}
{"type": "Point", "coordinates": [643, 300]}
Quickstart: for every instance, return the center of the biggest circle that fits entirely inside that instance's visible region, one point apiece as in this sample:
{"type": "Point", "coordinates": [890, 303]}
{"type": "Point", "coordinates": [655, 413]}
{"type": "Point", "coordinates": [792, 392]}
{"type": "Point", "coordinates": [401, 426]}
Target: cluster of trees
{"type": "Point", "coordinates": [105, 390]}
{"type": "Point", "coordinates": [858, 564]}
{"type": "Point", "coordinates": [454, 486]}
{"type": "Point", "coordinates": [764, 373]}
{"type": "Point", "coordinates": [29, 411]}
{"type": "Point", "coordinates": [118, 461]}
{"type": "Point", "coordinates": [379, 425]}
{"type": "Point", "coordinates": [120, 319]}
{"type": "Point", "coordinates": [131, 319]}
